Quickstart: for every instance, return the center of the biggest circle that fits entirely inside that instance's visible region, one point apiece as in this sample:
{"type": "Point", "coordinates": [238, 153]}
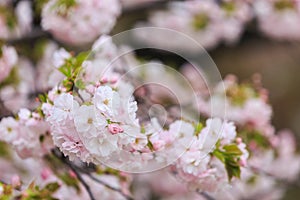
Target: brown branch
{"type": "Point", "coordinates": [205, 195]}
{"type": "Point", "coordinates": [146, 6]}
{"type": "Point", "coordinates": [109, 186]}
{"type": "Point", "coordinates": [78, 170]}
{"type": "Point", "coordinates": [80, 178]}
{"type": "Point", "coordinates": [65, 160]}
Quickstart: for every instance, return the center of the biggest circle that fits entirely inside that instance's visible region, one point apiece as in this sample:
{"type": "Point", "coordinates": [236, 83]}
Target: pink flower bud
{"type": "Point", "coordinates": [159, 144]}
{"type": "Point", "coordinates": [114, 79]}
{"type": "Point", "coordinates": [90, 88]}
{"type": "Point", "coordinates": [45, 173]}
{"type": "Point", "coordinates": [104, 80]}
{"type": "Point", "coordinates": [239, 140]}
{"type": "Point", "coordinates": [15, 181]}
{"type": "Point", "coordinates": [243, 162]}
{"type": "Point", "coordinates": [115, 129]}
{"type": "Point", "coordinates": [72, 174]}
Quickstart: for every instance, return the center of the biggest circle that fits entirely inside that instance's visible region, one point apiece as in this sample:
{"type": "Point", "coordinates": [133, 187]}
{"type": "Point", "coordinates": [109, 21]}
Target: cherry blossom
{"type": "Point", "coordinates": [70, 20]}
{"type": "Point", "coordinates": [279, 19]}
{"type": "Point", "coordinates": [15, 22]}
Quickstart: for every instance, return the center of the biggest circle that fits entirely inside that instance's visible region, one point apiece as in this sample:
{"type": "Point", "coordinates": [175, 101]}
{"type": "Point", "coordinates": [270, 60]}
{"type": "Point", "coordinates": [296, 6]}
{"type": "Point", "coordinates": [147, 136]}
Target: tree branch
{"type": "Point", "coordinates": [78, 175]}
{"type": "Point", "coordinates": [109, 186]}
{"type": "Point", "coordinates": [77, 170]}
{"type": "Point", "coordinates": [205, 195]}
{"type": "Point", "coordinates": [146, 6]}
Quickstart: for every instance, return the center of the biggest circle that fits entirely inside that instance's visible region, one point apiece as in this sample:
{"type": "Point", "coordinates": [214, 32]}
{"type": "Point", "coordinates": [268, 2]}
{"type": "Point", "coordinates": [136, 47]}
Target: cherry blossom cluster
{"type": "Point", "coordinates": [77, 123]}
{"type": "Point", "coordinates": [16, 79]}
{"type": "Point", "coordinates": [213, 22]}
{"type": "Point", "coordinates": [15, 22]}
{"type": "Point", "coordinates": [91, 116]}
{"type": "Point", "coordinates": [79, 22]}
{"type": "Point", "coordinates": [279, 19]}
{"type": "Point", "coordinates": [272, 150]}
{"type": "Point", "coordinates": [262, 177]}
{"type": "Point", "coordinates": [9, 58]}
{"type": "Point", "coordinates": [28, 134]}
{"type": "Point", "coordinates": [207, 22]}
{"type": "Point", "coordinates": [208, 174]}
{"type": "Point", "coordinates": [97, 121]}
{"type": "Point", "coordinates": [51, 181]}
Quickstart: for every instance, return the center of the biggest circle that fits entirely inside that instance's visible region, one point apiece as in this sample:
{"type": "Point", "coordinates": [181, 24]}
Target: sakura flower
{"type": "Point", "coordinates": [9, 129]}
{"type": "Point", "coordinates": [64, 106]}
{"type": "Point", "coordinates": [279, 19]}
{"type": "Point", "coordinates": [242, 103]}
{"type": "Point", "coordinates": [16, 181]}
{"type": "Point", "coordinates": [15, 94]}
{"type": "Point", "coordinates": [115, 129]}
{"type": "Point", "coordinates": [102, 146]}
{"type": "Point", "coordinates": [197, 19]}
{"type": "Point", "coordinates": [15, 22]}
{"type": "Point", "coordinates": [8, 59]}
{"type": "Point", "coordinates": [69, 142]}
{"type": "Point", "coordinates": [257, 112]}
{"type": "Point", "coordinates": [81, 21]}
{"type": "Point", "coordinates": [59, 57]}
{"type": "Point", "coordinates": [235, 15]}
{"type": "Point", "coordinates": [107, 101]}
{"type": "Point", "coordinates": [28, 136]}
{"type": "Point", "coordinates": [47, 73]}
{"type": "Point", "coordinates": [87, 123]}
{"type": "Point", "coordinates": [211, 134]}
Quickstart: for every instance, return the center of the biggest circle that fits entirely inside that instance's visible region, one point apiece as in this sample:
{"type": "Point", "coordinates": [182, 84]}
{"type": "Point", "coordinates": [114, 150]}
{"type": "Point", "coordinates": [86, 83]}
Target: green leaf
{"type": "Point", "coordinates": [66, 70]}
{"type": "Point", "coordinates": [232, 149]}
{"type": "Point", "coordinates": [79, 84]}
{"type": "Point", "coordinates": [232, 171]}
{"type": "Point", "coordinates": [81, 57]}
{"type": "Point", "coordinates": [150, 145]}
{"type": "Point", "coordinates": [198, 128]}
{"type": "Point", "coordinates": [70, 181]}
{"type": "Point", "coordinates": [229, 155]}
{"type": "Point", "coordinates": [218, 154]}
{"type": "Point", "coordinates": [43, 98]}
{"type": "Point", "coordinates": [52, 187]}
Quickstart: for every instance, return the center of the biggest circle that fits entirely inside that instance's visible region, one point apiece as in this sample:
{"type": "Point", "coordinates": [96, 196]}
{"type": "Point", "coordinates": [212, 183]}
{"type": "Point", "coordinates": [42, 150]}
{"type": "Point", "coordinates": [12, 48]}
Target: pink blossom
{"type": "Point", "coordinates": [82, 22]}
{"type": "Point", "coordinates": [8, 60]}
{"type": "Point", "coordinates": [279, 22]}
{"type": "Point", "coordinates": [16, 181]}
{"type": "Point", "coordinates": [46, 173]}
{"type": "Point", "coordinates": [22, 17]}
{"type": "Point", "coordinates": [115, 129]}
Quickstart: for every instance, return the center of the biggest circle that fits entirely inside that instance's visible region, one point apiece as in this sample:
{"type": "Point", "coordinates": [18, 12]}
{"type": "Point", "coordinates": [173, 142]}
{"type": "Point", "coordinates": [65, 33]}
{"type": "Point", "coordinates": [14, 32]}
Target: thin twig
{"type": "Point", "coordinates": [205, 195]}
{"type": "Point", "coordinates": [36, 32]}
{"type": "Point", "coordinates": [109, 186]}
{"type": "Point", "coordinates": [103, 183]}
{"type": "Point", "coordinates": [78, 175]}
{"type": "Point", "coordinates": [77, 171]}
{"type": "Point", "coordinates": [147, 6]}
{"type": "Point", "coordinates": [80, 178]}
